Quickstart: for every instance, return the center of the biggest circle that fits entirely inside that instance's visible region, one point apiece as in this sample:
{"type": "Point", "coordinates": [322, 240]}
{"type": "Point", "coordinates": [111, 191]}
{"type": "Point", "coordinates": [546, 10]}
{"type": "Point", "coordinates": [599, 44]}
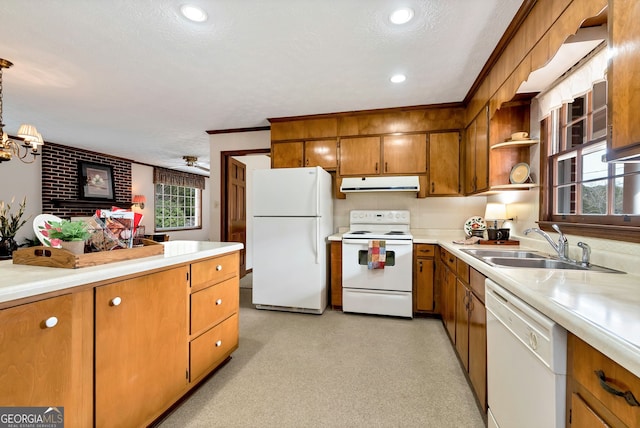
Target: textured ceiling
{"type": "Point", "coordinates": [135, 79]}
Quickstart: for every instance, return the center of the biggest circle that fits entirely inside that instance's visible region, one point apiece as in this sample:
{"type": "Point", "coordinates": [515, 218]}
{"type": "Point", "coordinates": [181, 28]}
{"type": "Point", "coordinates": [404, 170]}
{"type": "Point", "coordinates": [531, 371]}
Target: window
{"type": "Point", "coordinates": [177, 207]}
{"type": "Point", "coordinates": [582, 187]}
{"type": "Point", "coordinates": [178, 200]}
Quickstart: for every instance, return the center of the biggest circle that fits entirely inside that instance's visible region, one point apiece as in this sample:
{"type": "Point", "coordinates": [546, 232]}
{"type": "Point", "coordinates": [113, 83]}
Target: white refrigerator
{"type": "Point", "coordinates": [292, 218]}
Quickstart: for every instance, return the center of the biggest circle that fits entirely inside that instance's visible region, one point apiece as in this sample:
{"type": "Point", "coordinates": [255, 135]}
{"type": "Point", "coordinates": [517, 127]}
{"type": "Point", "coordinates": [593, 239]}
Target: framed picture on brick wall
{"type": "Point", "coordinates": [95, 181]}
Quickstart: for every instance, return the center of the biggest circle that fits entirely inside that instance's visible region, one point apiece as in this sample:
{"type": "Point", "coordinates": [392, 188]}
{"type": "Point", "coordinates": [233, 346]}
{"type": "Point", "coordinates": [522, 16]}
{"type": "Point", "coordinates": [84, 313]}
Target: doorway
{"type": "Point", "coordinates": [233, 199]}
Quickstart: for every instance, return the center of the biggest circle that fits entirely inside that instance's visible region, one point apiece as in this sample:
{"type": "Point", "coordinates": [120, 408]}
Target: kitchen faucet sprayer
{"type": "Point", "coordinates": [586, 253]}
{"type": "Point", "coordinates": [562, 247]}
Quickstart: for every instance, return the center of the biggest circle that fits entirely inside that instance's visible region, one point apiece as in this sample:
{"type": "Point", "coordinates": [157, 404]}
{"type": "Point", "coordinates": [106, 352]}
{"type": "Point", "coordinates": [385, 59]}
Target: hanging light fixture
{"type": "Point", "coordinates": [31, 138]}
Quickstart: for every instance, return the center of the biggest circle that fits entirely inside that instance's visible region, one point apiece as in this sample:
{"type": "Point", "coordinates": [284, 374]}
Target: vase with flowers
{"type": "Point", "coordinates": [72, 234]}
{"type": "Point", "coordinates": [10, 223]}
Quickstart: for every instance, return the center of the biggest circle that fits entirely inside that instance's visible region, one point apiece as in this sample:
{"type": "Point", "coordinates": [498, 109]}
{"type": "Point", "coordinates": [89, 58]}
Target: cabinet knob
{"type": "Point", "coordinates": [51, 322]}
{"type": "Point", "coordinates": [219, 268]}
{"type": "Point", "coordinates": [533, 340]}
{"type": "Point", "coordinates": [219, 302]}
{"type": "Point", "coordinates": [115, 301]}
{"type": "Point", "coordinates": [218, 343]}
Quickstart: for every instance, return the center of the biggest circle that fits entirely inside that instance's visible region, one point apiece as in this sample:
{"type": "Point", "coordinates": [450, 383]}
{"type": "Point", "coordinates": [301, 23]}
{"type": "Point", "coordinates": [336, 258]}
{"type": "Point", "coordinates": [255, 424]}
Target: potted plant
{"type": "Point", "coordinates": [72, 234]}
{"type": "Point", "coordinates": [9, 225]}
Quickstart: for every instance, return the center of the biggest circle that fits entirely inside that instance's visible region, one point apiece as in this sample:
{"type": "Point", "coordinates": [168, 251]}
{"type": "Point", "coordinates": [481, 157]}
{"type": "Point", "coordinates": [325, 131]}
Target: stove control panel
{"type": "Point", "coordinates": [390, 217]}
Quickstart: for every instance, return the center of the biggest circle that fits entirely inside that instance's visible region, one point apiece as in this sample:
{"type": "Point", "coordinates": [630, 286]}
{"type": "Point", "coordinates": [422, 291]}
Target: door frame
{"type": "Point", "coordinates": [224, 189]}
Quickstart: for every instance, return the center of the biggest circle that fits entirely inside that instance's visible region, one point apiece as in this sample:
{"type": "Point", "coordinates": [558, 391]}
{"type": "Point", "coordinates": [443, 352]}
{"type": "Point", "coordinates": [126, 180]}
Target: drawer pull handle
{"type": "Point", "coordinates": [51, 322]}
{"type": "Point", "coordinates": [218, 343]}
{"type": "Point", "coordinates": [627, 395]}
{"type": "Point", "coordinates": [116, 301]}
{"type": "Point", "coordinates": [219, 302]}
{"type": "Point", "coordinates": [219, 268]}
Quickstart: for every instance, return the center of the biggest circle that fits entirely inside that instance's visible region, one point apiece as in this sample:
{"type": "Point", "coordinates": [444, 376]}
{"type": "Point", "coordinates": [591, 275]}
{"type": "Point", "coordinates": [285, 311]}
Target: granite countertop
{"type": "Point", "coordinates": [20, 281]}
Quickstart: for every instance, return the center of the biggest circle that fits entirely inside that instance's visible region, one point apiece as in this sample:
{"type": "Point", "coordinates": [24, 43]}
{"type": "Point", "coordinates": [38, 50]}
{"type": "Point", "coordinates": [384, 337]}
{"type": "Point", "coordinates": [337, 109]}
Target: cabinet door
{"type": "Point", "coordinates": [470, 158]}
{"type": "Point", "coordinates": [322, 153]}
{"type": "Point", "coordinates": [424, 298]}
{"type": "Point", "coordinates": [405, 154]}
{"type": "Point", "coordinates": [444, 161]}
{"type": "Point", "coordinates": [478, 348]}
{"type": "Point", "coordinates": [360, 156]}
{"type": "Point", "coordinates": [624, 86]}
{"type": "Point", "coordinates": [583, 416]}
{"type": "Point", "coordinates": [482, 151]}
{"type": "Point", "coordinates": [462, 323]}
{"type": "Point", "coordinates": [449, 303]}
{"type": "Point", "coordinates": [49, 365]}
{"type": "Point", "coordinates": [287, 155]}
{"type": "Point", "coordinates": [141, 347]}
{"type": "Point", "coordinates": [336, 275]}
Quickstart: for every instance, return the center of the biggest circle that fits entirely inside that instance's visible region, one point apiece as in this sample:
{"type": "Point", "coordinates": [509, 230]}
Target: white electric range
{"type": "Point", "coordinates": [386, 291]}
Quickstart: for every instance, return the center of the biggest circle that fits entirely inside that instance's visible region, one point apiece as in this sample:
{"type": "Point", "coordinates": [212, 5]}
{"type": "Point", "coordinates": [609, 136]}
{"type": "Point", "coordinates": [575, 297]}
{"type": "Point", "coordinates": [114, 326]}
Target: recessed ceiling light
{"type": "Point", "coordinates": [401, 16]}
{"type": "Point", "coordinates": [193, 13]}
{"type": "Point", "coordinates": [398, 78]}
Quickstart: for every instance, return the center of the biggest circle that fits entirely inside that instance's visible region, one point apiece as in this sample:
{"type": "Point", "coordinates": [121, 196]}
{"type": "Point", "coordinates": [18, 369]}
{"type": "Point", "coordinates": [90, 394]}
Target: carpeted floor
{"type": "Point", "coordinates": [333, 370]}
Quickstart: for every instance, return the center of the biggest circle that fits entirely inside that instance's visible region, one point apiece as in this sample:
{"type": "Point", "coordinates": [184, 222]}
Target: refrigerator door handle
{"type": "Point", "coordinates": [317, 240]}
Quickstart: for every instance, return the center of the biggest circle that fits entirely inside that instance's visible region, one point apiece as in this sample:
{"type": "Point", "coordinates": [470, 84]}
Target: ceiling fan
{"type": "Point", "coordinates": [192, 161]}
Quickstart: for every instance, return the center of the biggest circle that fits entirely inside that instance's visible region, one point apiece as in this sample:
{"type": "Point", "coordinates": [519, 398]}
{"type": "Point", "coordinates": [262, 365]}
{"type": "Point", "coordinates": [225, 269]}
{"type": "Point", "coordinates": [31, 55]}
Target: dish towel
{"type": "Point", "coordinates": [377, 254]}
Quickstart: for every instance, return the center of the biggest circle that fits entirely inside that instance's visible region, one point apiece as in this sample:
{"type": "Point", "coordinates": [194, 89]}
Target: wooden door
{"type": "Point", "coordinates": [360, 156]}
{"type": "Point", "coordinates": [470, 158]}
{"type": "Point", "coordinates": [141, 347]}
{"type": "Point", "coordinates": [404, 154]}
{"type": "Point", "coordinates": [424, 299]}
{"type": "Point", "coordinates": [49, 365]}
{"type": "Point", "coordinates": [482, 151]}
{"type": "Point", "coordinates": [449, 303]}
{"type": "Point", "coordinates": [444, 163]}
{"type": "Point", "coordinates": [462, 323]}
{"type": "Point", "coordinates": [287, 155]}
{"type": "Point", "coordinates": [322, 153]}
{"type": "Point", "coordinates": [478, 348]}
{"type": "Point", "coordinates": [237, 208]}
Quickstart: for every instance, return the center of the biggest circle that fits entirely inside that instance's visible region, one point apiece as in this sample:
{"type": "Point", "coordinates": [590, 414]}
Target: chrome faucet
{"type": "Point", "coordinates": [586, 253]}
{"type": "Point", "coordinates": [562, 247]}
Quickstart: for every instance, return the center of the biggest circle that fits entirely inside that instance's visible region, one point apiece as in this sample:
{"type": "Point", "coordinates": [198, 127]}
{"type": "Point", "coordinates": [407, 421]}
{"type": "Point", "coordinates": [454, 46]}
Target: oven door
{"type": "Point", "coordinates": [395, 276]}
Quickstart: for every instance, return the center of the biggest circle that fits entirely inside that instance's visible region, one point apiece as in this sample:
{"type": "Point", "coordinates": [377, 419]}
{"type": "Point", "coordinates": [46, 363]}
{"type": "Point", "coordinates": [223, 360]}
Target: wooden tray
{"type": "Point", "coordinates": [494, 242]}
{"type": "Point", "coordinates": [61, 258]}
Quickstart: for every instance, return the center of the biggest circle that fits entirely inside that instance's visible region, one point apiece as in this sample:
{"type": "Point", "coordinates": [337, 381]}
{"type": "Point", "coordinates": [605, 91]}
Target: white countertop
{"type": "Point", "coordinates": [603, 309]}
{"type": "Point", "coordinates": [19, 281]}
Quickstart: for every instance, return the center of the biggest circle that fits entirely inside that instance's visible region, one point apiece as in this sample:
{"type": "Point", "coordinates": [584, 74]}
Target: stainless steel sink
{"type": "Point", "coordinates": [530, 259]}
{"type": "Point", "coordinates": [519, 254]}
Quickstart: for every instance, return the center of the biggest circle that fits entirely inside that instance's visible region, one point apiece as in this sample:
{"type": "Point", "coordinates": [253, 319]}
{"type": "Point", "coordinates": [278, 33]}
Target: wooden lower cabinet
{"type": "Point", "coordinates": [141, 347]}
{"type": "Point", "coordinates": [211, 348]}
{"type": "Point", "coordinates": [592, 382]}
{"type": "Point", "coordinates": [46, 355]}
{"type": "Point", "coordinates": [336, 274]}
{"type": "Point", "coordinates": [424, 289]}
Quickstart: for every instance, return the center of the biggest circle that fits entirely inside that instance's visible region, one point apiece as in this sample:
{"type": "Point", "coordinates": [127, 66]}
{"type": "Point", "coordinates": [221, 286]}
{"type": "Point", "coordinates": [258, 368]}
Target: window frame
{"type": "Point", "coordinates": [160, 206]}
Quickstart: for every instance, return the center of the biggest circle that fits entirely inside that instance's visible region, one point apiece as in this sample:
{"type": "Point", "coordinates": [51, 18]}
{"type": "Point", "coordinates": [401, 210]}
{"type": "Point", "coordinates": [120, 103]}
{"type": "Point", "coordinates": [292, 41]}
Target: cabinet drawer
{"type": "Point", "coordinates": [425, 250]}
{"type": "Point", "coordinates": [586, 361]}
{"type": "Point", "coordinates": [476, 282]}
{"type": "Point", "coordinates": [448, 259]}
{"type": "Point", "coordinates": [212, 271]}
{"type": "Point", "coordinates": [213, 304]}
{"type": "Point", "coordinates": [462, 270]}
{"type": "Point", "coordinates": [210, 349]}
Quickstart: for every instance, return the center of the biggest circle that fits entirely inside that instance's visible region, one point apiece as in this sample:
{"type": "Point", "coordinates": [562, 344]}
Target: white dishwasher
{"type": "Point", "coordinates": [526, 364]}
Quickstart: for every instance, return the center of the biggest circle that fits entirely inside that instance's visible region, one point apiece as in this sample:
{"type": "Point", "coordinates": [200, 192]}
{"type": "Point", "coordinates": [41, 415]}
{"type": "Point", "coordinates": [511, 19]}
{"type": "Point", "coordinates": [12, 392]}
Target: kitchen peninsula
{"type": "Point", "coordinates": [118, 344]}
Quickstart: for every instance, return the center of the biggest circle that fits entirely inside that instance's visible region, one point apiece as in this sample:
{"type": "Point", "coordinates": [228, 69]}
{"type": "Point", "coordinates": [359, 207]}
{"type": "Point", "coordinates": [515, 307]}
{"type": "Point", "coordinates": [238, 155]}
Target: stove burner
{"type": "Point", "coordinates": [395, 232]}
{"type": "Point", "coordinates": [360, 232]}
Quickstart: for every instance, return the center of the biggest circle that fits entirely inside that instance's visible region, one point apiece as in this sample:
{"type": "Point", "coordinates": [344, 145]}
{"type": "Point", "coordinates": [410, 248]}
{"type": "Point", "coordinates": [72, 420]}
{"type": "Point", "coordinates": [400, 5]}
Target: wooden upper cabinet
{"type": "Point", "coordinates": [287, 155]}
{"type": "Point", "coordinates": [322, 153]}
{"type": "Point", "coordinates": [622, 77]}
{"type": "Point", "coordinates": [359, 156]}
{"type": "Point", "coordinates": [404, 154]}
{"type": "Point", "coordinates": [476, 149]}
{"type": "Point", "coordinates": [444, 163]}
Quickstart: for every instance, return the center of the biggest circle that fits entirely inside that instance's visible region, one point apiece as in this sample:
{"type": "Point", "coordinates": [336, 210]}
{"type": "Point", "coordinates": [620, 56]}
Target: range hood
{"type": "Point", "coordinates": [380, 184]}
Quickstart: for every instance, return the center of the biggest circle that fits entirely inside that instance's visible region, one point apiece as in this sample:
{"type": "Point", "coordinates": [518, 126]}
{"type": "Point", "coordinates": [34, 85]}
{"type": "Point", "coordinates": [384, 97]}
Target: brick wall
{"type": "Point", "coordinates": [60, 189]}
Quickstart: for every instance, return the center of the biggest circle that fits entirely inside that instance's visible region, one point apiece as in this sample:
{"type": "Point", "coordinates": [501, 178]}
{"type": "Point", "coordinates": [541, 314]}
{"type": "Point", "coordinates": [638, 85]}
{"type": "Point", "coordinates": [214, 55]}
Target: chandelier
{"type": "Point", "coordinates": [31, 138]}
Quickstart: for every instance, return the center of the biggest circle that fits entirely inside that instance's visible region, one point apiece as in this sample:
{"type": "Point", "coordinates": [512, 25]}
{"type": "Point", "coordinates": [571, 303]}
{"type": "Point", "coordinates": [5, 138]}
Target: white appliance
{"type": "Point", "coordinates": [390, 183]}
{"type": "Point", "coordinates": [386, 291]}
{"type": "Point", "coordinates": [292, 217]}
{"type": "Point", "coordinates": [526, 364]}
